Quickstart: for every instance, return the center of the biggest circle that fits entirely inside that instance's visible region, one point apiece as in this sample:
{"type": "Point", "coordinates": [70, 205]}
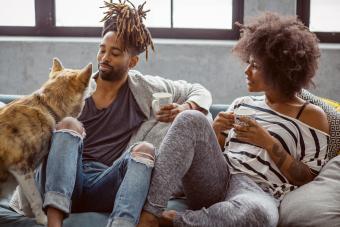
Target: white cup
{"type": "Point", "coordinates": [160, 99]}
{"type": "Point", "coordinates": [243, 112]}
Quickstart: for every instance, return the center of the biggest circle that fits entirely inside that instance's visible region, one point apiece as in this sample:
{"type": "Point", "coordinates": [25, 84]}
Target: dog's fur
{"type": "Point", "coordinates": [26, 127]}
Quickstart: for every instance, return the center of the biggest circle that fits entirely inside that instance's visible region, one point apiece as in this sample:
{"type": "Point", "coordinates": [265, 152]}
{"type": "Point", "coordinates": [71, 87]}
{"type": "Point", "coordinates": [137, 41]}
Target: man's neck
{"type": "Point", "coordinates": [107, 91]}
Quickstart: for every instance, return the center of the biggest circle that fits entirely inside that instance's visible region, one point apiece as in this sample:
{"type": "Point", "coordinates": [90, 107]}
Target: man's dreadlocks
{"type": "Point", "coordinates": [127, 21]}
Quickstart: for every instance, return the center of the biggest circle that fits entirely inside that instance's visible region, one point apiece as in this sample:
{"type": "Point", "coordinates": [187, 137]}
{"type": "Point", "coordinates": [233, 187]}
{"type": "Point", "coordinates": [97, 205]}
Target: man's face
{"type": "Point", "coordinates": [113, 60]}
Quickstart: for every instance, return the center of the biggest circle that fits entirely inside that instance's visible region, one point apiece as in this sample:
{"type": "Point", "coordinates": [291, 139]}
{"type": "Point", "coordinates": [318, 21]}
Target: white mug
{"type": "Point", "coordinates": [243, 112]}
{"type": "Point", "coordinates": [160, 99]}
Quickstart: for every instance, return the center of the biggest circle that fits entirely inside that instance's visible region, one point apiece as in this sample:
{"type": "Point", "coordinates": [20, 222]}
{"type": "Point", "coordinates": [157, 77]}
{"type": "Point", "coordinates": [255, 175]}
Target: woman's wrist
{"type": "Point", "coordinates": [270, 144]}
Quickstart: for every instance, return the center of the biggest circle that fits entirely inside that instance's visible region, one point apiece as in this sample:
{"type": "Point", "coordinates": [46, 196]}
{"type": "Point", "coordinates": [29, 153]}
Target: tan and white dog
{"type": "Point", "coordinates": [26, 127]}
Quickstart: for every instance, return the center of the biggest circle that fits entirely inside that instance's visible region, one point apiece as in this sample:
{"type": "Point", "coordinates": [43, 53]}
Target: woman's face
{"type": "Point", "coordinates": [255, 75]}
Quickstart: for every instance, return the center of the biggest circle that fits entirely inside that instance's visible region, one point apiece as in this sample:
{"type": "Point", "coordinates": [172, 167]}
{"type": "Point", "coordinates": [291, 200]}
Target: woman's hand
{"type": "Point", "coordinates": [252, 132]}
{"type": "Point", "coordinates": [223, 121]}
{"type": "Point", "coordinates": [168, 112]}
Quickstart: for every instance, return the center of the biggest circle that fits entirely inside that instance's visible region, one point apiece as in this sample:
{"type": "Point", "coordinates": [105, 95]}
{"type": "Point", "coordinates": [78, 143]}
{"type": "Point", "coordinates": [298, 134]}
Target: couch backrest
{"type": "Point", "coordinates": [8, 98]}
{"type": "Point", "coordinates": [214, 109]}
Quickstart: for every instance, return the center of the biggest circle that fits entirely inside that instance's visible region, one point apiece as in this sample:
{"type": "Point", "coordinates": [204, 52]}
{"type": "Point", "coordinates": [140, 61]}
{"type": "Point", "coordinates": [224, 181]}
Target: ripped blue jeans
{"type": "Point", "coordinates": [92, 186]}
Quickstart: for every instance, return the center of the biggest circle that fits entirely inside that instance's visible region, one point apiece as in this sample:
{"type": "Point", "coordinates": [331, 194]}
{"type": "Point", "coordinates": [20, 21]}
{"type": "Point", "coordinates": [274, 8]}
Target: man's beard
{"type": "Point", "coordinates": [115, 74]}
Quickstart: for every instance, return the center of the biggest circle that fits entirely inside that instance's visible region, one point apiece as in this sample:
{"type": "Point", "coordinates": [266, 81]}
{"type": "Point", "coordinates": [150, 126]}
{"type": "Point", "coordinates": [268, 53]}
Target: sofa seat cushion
{"type": "Point", "coordinates": [316, 203]}
{"type": "Point", "coordinates": [10, 218]}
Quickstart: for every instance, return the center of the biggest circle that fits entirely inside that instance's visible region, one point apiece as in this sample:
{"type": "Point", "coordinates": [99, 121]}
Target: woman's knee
{"type": "Point", "coordinates": [193, 116]}
{"type": "Point", "coordinates": [144, 153]}
{"type": "Point", "coordinates": [70, 123]}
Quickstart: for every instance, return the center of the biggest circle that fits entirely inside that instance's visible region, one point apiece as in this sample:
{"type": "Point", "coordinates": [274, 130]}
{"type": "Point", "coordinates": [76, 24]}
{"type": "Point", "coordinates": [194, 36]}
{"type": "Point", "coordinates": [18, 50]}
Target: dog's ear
{"type": "Point", "coordinates": [56, 66]}
{"type": "Point", "coordinates": [85, 73]}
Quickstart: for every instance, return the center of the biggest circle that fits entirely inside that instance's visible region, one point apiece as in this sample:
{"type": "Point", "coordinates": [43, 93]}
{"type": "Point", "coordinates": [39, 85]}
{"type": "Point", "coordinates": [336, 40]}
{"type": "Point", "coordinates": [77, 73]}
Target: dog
{"type": "Point", "coordinates": [27, 124]}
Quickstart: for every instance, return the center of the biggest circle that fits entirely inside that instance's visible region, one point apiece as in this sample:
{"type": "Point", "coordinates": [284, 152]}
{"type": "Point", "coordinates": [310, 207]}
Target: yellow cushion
{"type": "Point", "coordinates": [333, 103]}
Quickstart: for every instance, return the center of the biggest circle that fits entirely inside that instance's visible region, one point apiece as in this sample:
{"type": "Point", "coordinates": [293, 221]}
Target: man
{"type": "Point", "coordinates": [109, 169]}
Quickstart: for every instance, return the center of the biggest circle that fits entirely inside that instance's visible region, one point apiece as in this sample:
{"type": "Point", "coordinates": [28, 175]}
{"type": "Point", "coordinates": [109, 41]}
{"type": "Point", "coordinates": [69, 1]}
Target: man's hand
{"type": "Point", "coordinates": [168, 112]}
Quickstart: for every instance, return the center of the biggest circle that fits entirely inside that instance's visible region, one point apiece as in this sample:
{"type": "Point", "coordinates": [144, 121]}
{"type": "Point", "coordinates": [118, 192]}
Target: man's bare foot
{"type": "Point", "coordinates": [167, 218]}
{"type": "Point", "coordinates": [147, 220]}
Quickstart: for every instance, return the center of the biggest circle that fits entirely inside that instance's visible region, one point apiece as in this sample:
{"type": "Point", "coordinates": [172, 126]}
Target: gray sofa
{"type": "Point", "coordinates": [314, 204]}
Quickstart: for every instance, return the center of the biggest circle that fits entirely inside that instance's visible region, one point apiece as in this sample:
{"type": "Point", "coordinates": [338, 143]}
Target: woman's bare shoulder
{"type": "Point", "coordinates": [315, 117]}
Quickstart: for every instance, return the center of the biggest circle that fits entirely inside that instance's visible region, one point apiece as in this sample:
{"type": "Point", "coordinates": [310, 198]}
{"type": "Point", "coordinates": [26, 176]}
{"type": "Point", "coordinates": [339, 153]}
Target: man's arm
{"type": "Point", "coordinates": [182, 92]}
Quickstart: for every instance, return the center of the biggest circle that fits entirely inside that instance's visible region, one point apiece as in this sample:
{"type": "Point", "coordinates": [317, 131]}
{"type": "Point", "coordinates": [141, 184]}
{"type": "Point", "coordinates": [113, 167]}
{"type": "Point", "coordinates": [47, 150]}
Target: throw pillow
{"type": "Point", "coordinates": [333, 119]}
{"type": "Point", "coordinates": [333, 103]}
{"type": "Point", "coordinates": [316, 203]}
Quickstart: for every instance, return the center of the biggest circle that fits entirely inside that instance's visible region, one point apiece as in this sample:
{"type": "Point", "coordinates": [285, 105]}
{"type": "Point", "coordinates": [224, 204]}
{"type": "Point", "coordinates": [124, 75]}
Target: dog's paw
{"type": "Point", "coordinates": [41, 219]}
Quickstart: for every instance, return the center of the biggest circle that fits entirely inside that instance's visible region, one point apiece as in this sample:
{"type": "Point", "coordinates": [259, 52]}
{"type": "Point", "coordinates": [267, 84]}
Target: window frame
{"type": "Point", "coordinates": [303, 12]}
{"type": "Point", "coordinates": [45, 26]}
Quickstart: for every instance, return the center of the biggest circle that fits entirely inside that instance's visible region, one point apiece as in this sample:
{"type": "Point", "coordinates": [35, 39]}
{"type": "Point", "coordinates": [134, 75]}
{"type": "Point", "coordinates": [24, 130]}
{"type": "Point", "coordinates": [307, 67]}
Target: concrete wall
{"type": "Point", "coordinates": [25, 61]}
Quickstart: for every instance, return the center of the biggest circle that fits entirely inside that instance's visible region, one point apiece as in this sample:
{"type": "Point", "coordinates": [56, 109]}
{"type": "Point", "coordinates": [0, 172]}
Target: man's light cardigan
{"type": "Point", "coordinates": [142, 88]}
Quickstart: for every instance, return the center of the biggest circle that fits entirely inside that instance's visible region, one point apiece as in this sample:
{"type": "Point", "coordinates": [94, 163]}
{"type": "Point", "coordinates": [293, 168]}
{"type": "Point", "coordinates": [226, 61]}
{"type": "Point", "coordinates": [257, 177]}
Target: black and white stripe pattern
{"type": "Point", "coordinates": [299, 140]}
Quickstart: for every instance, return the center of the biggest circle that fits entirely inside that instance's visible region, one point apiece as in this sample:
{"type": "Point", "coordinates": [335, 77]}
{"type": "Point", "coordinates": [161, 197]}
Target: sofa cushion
{"type": "Point", "coordinates": [333, 119]}
{"type": "Point", "coordinates": [316, 203]}
{"type": "Point", "coordinates": [333, 103]}
{"type": "Point", "coordinates": [9, 218]}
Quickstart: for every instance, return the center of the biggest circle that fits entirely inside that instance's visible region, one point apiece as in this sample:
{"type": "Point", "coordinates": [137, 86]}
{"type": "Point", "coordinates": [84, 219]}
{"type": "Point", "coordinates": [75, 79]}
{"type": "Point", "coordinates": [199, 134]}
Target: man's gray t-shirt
{"type": "Point", "coordinates": [109, 130]}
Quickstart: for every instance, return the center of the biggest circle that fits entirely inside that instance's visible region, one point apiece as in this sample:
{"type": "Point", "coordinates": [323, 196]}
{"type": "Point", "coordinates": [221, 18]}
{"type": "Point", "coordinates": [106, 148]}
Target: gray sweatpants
{"type": "Point", "coordinates": [190, 152]}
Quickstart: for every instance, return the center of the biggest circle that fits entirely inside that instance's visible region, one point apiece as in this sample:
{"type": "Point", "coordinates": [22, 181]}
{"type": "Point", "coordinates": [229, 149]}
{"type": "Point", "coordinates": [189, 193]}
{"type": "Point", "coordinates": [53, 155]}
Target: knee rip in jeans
{"type": "Point", "coordinates": [144, 153]}
{"type": "Point", "coordinates": [73, 133]}
{"type": "Point", "coordinates": [71, 125]}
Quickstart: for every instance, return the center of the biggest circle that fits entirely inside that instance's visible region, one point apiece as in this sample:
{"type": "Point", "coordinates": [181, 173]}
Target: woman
{"type": "Point", "coordinates": [264, 158]}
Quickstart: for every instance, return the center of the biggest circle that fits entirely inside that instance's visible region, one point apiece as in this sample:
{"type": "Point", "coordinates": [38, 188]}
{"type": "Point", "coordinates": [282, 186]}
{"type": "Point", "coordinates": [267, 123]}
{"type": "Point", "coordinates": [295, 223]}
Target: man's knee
{"type": "Point", "coordinates": [71, 124]}
{"type": "Point", "coordinates": [144, 153]}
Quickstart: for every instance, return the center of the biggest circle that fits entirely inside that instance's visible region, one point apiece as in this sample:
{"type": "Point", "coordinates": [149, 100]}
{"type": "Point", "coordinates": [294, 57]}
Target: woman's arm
{"type": "Point", "coordinates": [294, 170]}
